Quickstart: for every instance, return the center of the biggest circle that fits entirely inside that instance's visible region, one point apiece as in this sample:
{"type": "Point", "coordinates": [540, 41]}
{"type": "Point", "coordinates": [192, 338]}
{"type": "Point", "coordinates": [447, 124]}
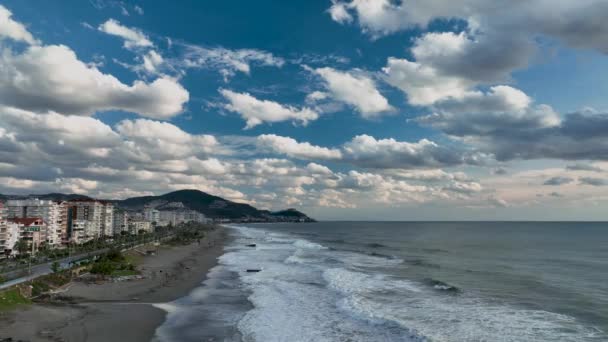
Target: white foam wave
{"type": "Point", "coordinates": [167, 307]}
{"type": "Point", "coordinates": [308, 245]}
{"type": "Point", "coordinates": [307, 292]}
{"type": "Point", "coordinates": [350, 282]}
{"type": "Point", "coordinates": [471, 320]}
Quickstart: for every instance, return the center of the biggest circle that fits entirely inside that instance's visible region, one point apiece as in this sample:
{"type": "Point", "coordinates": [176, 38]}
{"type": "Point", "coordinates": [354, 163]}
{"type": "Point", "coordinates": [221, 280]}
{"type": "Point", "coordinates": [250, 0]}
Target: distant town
{"type": "Point", "coordinates": [28, 225]}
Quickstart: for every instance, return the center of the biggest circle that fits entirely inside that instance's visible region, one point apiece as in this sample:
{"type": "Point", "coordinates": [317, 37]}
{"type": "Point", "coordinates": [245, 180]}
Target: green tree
{"type": "Point", "coordinates": [55, 267]}
{"type": "Point", "coordinates": [22, 246]}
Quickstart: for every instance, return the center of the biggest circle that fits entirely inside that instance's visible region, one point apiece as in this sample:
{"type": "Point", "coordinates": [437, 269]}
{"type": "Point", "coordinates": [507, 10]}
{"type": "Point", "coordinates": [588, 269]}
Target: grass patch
{"type": "Point", "coordinates": [11, 299]}
{"type": "Point", "coordinates": [110, 263]}
{"type": "Point", "coordinates": [39, 287]}
{"type": "Point", "coordinates": [133, 258]}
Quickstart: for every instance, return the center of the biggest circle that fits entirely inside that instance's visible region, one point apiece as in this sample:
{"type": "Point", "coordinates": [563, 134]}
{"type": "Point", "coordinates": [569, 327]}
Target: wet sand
{"type": "Point", "coordinates": [118, 311]}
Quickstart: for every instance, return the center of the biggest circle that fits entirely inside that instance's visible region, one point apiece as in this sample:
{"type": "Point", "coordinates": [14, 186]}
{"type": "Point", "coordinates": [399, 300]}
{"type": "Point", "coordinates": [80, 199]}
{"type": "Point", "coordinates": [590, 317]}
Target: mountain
{"type": "Point", "coordinates": [60, 197]}
{"type": "Point", "coordinates": [51, 196]}
{"type": "Point", "coordinates": [212, 206]}
{"type": "Point", "coordinates": [291, 212]}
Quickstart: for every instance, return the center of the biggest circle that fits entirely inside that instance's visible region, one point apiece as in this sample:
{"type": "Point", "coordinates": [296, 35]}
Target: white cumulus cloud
{"type": "Point", "coordinates": [256, 112]}
{"type": "Point", "coordinates": [133, 37]}
{"type": "Point", "coordinates": [52, 78]}
{"type": "Point", "coordinates": [12, 29]}
{"type": "Point", "coordinates": [355, 89]}
{"type": "Point", "coordinates": [293, 148]}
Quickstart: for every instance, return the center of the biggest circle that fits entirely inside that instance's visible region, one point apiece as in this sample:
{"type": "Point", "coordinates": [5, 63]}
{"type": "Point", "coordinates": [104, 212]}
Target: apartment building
{"type": "Point", "coordinates": [135, 227]}
{"type": "Point", "coordinates": [5, 245]}
{"type": "Point", "coordinates": [151, 214]}
{"type": "Point", "coordinates": [121, 221]}
{"type": "Point", "coordinates": [31, 230]}
{"type": "Point", "coordinates": [82, 231]}
{"type": "Point", "coordinates": [100, 215]}
{"type": "Point", "coordinates": [175, 217]}
{"type": "Point", "coordinates": [53, 213]}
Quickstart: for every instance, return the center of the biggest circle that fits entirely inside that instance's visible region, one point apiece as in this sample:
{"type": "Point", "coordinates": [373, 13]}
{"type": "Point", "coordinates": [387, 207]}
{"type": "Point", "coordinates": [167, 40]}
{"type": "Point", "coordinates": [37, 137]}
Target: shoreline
{"type": "Point", "coordinates": [121, 311]}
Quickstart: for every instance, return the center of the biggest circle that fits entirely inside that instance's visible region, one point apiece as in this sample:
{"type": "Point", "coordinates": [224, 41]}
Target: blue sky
{"type": "Point", "coordinates": [362, 109]}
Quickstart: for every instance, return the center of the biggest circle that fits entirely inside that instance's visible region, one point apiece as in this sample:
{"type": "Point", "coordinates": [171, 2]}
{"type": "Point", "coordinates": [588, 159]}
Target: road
{"type": "Point", "coordinates": [23, 275]}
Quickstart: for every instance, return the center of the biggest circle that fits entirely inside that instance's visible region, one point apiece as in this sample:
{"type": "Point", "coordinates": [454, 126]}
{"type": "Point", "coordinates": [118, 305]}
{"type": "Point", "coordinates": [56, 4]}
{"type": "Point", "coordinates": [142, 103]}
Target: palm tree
{"type": "Point", "coordinates": [22, 246]}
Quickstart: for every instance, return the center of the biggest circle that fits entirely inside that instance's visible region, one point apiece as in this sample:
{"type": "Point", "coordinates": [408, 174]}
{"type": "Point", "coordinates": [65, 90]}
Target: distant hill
{"type": "Point", "coordinates": [211, 206]}
{"type": "Point", "coordinates": [51, 196]}
{"type": "Point", "coordinates": [291, 212]}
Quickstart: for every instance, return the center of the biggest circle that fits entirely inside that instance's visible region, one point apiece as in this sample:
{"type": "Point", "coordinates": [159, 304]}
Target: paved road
{"type": "Point", "coordinates": [23, 275]}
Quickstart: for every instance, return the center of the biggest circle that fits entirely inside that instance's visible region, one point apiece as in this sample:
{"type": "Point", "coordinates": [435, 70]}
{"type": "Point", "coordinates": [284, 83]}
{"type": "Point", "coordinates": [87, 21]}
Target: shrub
{"type": "Point", "coordinates": [55, 267]}
{"type": "Point", "coordinates": [115, 255]}
{"type": "Point", "coordinates": [103, 267]}
{"type": "Point", "coordinates": [39, 287]}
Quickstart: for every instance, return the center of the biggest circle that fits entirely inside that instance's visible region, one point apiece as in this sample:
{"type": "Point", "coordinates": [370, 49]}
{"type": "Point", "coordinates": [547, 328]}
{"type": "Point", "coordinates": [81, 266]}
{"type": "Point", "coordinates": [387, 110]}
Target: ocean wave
{"type": "Point", "coordinates": [375, 245]}
{"type": "Point", "coordinates": [442, 286]}
{"type": "Point", "coordinates": [351, 282]}
{"type": "Point", "coordinates": [308, 245]}
{"type": "Point", "coordinates": [365, 260]}
{"type": "Point", "coordinates": [422, 263]}
{"type": "Point", "coordinates": [307, 292]}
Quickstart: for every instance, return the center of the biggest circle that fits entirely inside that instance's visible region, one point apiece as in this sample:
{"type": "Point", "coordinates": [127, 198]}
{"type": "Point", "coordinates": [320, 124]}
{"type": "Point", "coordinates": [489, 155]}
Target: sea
{"type": "Point", "coordinates": [401, 281]}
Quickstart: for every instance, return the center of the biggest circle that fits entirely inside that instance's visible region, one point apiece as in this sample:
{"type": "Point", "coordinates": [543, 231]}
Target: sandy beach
{"type": "Point", "coordinates": [118, 311]}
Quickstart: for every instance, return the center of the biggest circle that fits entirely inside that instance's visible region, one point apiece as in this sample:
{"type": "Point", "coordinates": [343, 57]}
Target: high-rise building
{"type": "Point", "coordinates": [121, 221]}
{"type": "Point", "coordinates": [136, 227]}
{"type": "Point", "coordinates": [99, 214]}
{"type": "Point", "coordinates": [4, 231]}
{"type": "Point", "coordinates": [53, 213]}
{"type": "Point", "coordinates": [151, 214]}
{"type": "Point", "coordinates": [82, 231]}
{"type": "Point", "coordinates": [31, 230]}
{"type": "Point", "coordinates": [177, 216]}
{"type": "Point", "coordinates": [107, 219]}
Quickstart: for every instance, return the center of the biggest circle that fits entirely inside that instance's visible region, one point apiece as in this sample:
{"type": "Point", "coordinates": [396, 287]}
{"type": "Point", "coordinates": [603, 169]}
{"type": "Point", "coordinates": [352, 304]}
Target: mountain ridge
{"type": "Point", "coordinates": [211, 206]}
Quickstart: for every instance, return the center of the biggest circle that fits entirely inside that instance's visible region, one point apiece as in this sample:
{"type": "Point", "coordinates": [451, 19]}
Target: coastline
{"type": "Point", "coordinates": [121, 311]}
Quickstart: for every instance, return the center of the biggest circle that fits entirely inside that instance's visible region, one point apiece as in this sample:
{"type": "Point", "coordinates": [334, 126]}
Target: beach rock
{"type": "Point", "coordinates": [445, 287]}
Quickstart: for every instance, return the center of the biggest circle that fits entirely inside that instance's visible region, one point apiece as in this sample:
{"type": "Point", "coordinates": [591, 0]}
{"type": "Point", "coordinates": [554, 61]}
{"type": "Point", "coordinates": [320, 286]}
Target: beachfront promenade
{"type": "Point", "coordinates": [24, 274]}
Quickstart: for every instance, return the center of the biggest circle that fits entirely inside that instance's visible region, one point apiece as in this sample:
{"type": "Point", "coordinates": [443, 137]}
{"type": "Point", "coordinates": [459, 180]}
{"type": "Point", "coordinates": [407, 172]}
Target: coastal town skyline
{"type": "Point", "coordinates": [379, 110]}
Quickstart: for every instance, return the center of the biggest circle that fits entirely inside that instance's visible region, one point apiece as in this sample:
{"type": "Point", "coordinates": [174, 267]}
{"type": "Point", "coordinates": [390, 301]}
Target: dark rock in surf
{"type": "Point", "coordinates": [444, 287]}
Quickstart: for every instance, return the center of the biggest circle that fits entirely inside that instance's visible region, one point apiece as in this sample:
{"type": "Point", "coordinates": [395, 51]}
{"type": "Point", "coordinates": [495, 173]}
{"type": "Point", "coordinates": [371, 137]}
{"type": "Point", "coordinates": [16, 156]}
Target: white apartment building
{"type": "Point", "coordinates": [3, 226]}
{"type": "Point", "coordinates": [136, 226]}
{"type": "Point", "coordinates": [31, 230]}
{"type": "Point", "coordinates": [175, 217]}
{"type": "Point", "coordinates": [86, 210]}
{"type": "Point", "coordinates": [8, 238]}
{"type": "Point", "coordinates": [151, 214]}
{"type": "Point", "coordinates": [107, 219]}
{"type": "Point", "coordinates": [121, 221]}
{"type": "Point", "coordinates": [53, 213]}
{"type": "Point", "coordinates": [99, 214]}
{"type": "Point", "coordinates": [83, 231]}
